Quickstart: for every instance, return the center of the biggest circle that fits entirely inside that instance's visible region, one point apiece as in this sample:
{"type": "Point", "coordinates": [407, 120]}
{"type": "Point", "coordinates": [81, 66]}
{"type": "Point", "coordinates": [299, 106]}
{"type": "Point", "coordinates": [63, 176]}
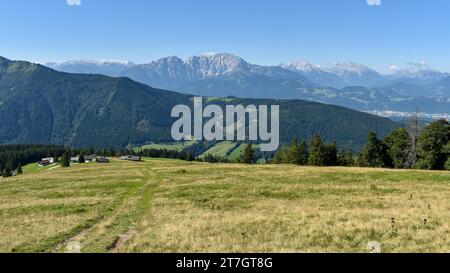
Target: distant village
{"type": "Point", "coordinates": [13, 156]}
{"type": "Point", "coordinates": [44, 162]}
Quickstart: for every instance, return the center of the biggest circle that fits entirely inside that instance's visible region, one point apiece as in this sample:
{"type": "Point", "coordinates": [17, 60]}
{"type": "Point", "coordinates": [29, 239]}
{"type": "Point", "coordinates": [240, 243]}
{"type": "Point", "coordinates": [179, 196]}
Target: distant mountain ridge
{"type": "Point", "coordinates": [315, 73]}
{"type": "Point", "coordinates": [215, 65]}
{"type": "Point", "coordinates": [174, 73]}
{"type": "Point", "coordinates": [112, 68]}
{"type": "Point", "coordinates": [40, 105]}
{"type": "Point", "coordinates": [347, 84]}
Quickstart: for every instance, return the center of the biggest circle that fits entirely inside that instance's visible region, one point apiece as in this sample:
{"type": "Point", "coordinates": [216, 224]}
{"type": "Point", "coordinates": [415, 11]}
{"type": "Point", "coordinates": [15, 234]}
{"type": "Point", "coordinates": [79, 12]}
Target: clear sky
{"type": "Point", "coordinates": [379, 34]}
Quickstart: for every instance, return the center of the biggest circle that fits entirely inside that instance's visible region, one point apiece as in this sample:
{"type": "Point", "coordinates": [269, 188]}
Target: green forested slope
{"type": "Point", "coordinates": [41, 106]}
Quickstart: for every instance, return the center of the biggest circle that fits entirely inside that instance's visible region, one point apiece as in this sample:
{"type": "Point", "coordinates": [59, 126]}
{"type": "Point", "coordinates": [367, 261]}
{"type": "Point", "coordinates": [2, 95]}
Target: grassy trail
{"type": "Point", "coordinates": [122, 202]}
{"type": "Point", "coordinates": [113, 230]}
{"type": "Point", "coordinates": [175, 206]}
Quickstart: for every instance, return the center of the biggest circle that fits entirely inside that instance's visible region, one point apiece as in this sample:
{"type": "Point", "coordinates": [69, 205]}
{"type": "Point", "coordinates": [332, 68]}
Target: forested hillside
{"type": "Point", "coordinates": [39, 105]}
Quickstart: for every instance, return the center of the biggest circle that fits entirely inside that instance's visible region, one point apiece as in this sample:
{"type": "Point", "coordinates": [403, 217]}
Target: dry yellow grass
{"type": "Point", "coordinates": [175, 206]}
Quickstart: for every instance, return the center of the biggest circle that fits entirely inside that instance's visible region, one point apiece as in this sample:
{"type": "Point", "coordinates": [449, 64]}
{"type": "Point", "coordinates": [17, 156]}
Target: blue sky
{"type": "Point", "coordinates": [264, 32]}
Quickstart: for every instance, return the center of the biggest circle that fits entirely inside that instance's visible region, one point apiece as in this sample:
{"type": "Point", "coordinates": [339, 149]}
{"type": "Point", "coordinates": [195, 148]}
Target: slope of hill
{"type": "Point", "coordinates": [243, 85]}
{"type": "Point", "coordinates": [222, 149]}
{"type": "Point", "coordinates": [43, 106]}
{"type": "Point", "coordinates": [40, 105]}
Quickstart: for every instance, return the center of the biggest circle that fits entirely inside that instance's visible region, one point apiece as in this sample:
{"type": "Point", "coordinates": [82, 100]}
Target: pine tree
{"type": "Point", "coordinates": [345, 158]}
{"type": "Point", "coordinates": [278, 157]}
{"type": "Point", "coordinates": [432, 145]}
{"type": "Point", "coordinates": [284, 154]}
{"type": "Point", "coordinates": [374, 153]}
{"type": "Point", "coordinates": [190, 156]}
{"type": "Point", "coordinates": [56, 157]}
{"type": "Point", "coordinates": [303, 153]}
{"type": "Point", "coordinates": [397, 145]}
{"type": "Point", "coordinates": [81, 159]}
{"type": "Point", "coordinates": [317, 155]}
{"type": "Point", "coordinates": [331, 157]}
{"type": "Point", "coordinates": [19, 169]}
{"type": "Point", "coordinates": [293, 154]}
{"type": "Point", "coordinates": [209, 158]}
{"type": "Point", "coordinates": [111, 152]}
{"type": "Point", "coordinates": [65, 160]}
{"type": "Point", "coordinates": [370, 152]}
{"type": "Point", "coordinates": [10, 163]}
{"type": "Point", "coordinates": [249, 156]}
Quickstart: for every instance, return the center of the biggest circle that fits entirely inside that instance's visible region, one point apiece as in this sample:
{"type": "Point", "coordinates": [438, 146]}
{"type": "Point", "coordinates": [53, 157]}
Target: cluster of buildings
{"type": "Point", "coordinates": [76, 159]}
{"type": "Point", "coordinates": [90, 158]}
{"type": "Point", "coordinates": [87, 158]}
{"type": "Point", "coordinates": [46, 161]}
{"type": "Point", "coordinates": [398, 114]}
{"type": "Point", "coordinates": [130, 158]}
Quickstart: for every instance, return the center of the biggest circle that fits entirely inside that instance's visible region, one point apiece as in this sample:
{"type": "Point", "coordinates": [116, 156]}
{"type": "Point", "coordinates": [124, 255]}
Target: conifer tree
{"type": "Point", "coordinates": [432, 145]}
{"type": "Point", "coordinates": [397, 145]}
{"type": "Point", "coordinates": [81, 159]}
{"type": "Point", "coordinates": [345, 158]}
{"type": "Point", "coordinates": [284, 154]}
{"type": "Point", "coordinates": [293, 153]}
{"type": "Point", "coordinates": [303, 153]}
{"type": "Point", "coordinates": [331, 152]}
{"type": "Point", "coordinates": [56, 157]}
{"type": "Point", "coordinates": [317, 155]}
{"type": "Point", "coordinates": [278, 157]}
{"type": "Point", "coordinates": [374, 153]}
{"type": "Point", "coordinates": [190, 156]}
{"type": "Point", "coordinates": [249, 156]}
{"type": "Point", "coordinates": [65, 160]}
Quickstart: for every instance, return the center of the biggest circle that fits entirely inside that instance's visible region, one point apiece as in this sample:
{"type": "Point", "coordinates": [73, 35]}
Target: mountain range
{"type": "Point", "coordinates": [347, 84]}
{"type": "Point", "coordinates": [43, 106]}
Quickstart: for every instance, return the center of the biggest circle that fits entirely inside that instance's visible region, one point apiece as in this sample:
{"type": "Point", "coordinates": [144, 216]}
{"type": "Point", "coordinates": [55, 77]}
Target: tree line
{"type": "Point", "coordinates": [13, 157]}
{"type": "Point", "coordinates": [402, 149]}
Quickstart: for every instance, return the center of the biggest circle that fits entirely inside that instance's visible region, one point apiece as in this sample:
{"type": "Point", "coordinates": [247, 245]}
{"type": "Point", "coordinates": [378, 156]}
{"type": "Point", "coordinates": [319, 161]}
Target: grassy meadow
{"type": "Point", "coordinates": [176, 206]}
{"type": "Point", "coordinates": [221, 149]}
{"type": "Point", "coordinates": [177, 146]}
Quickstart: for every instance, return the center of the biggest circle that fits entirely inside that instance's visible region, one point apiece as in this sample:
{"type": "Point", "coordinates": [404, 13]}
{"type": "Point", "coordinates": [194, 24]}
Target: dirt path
{"type": "Point", "coordinates": [113, 230]}
{"type": "Point", "coordinates": [123, 239]}
{"type": "Point", "coordinates": [144, 208]}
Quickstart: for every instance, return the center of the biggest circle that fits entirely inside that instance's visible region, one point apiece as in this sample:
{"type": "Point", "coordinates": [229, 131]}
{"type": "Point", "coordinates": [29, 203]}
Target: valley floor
{"type": "Point", "coordinates": [176, 206]}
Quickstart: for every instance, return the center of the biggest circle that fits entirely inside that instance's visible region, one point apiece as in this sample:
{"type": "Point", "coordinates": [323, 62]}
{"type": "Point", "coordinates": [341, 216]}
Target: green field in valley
{"type": "Point", "coordinates": [176, 146]}
{"type": "Point", "coordinates": [34, 168]}
{"type": "Point", "coordinates": [221, 149]}
{"type": "Point", "coordinates": [176, 206]}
